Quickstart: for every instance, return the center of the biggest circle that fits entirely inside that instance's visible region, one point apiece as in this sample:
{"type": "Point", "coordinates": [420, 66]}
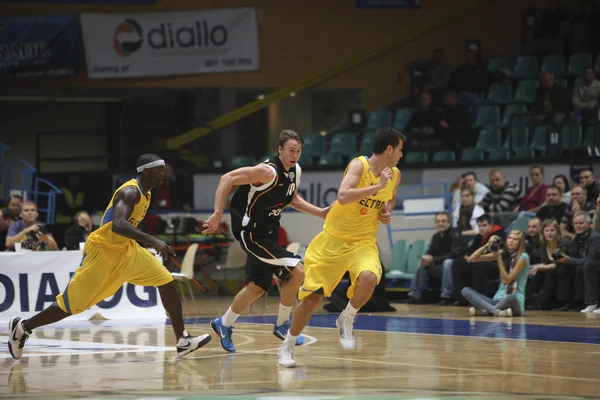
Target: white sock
{"type": "Point", "coordinates": [284, 314]}
{"type": "Point", "coordinates": [351, 311]}
{"type": "Point", "coordinates": [229, 318]}
{"type": "Point", "coordinates": [290, 339]}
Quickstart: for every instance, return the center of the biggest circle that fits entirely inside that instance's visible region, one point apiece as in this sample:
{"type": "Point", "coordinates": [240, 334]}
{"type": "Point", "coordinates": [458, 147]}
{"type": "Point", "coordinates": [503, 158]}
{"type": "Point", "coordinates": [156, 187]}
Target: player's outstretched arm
{"type": "Point", "coordinates": [348, 192]}
{"type": "Point", "coordinates": [257, 175]}
{"type": "Point", "coordinates": [302, 205]}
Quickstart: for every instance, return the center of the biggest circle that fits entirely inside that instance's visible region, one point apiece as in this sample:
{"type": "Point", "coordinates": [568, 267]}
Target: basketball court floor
{"type": "Point", "coordinates": [418, 352]}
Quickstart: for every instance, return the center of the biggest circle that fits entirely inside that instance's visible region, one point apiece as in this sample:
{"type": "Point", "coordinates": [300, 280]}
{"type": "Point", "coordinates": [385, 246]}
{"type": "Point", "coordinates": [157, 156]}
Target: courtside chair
{"type": "Point", "coordinates": [187, 273]}
{"type": "Point", "coordinates": [398, 260]}
{"type": "Point", "coordinates": [526, 67]}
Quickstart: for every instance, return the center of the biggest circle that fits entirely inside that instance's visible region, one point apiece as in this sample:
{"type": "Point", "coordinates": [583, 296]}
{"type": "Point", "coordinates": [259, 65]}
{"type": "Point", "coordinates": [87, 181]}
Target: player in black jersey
{"type": "Point", "coordinates": [264, 191]}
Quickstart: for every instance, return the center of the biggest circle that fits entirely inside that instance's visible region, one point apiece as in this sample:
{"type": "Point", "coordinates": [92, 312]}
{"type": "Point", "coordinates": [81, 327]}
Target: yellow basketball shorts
{"type": "Point", "coordinates": [103, 271]}
{"type": "Point", "coordinates": [328, 258]}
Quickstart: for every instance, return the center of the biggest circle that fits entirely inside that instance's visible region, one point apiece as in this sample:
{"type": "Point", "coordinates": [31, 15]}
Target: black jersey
{"type": "Point", "coordinates": [258, 209]}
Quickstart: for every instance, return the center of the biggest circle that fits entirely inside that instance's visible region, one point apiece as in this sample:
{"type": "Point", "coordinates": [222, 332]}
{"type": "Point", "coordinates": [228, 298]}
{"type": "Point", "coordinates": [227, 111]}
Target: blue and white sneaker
{"type": "Point", "coordinates": [281, 332]}
{"type": "Point", "coordinates": [224, 334]}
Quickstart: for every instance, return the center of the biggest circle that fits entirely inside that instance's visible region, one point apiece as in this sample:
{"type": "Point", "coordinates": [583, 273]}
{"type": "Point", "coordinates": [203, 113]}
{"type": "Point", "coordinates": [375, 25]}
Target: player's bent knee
{"type": "Point", "coordinates": [255, 289]}
{"type": "Point", "coordinates": [313, 300]}
{"type": "Point", "coordinates": [367, 278]}
{"type": "Point", "coordinates": [297, 274]}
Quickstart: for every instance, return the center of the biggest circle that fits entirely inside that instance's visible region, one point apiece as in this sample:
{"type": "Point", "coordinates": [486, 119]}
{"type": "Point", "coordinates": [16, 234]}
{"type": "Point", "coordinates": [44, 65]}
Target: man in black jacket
{"type": "Point", "coordinates": [78, 232]}
{"type": "Point", "coordinates": [432, 262]}
{"type": "Point", "coordinates": [551, 101]}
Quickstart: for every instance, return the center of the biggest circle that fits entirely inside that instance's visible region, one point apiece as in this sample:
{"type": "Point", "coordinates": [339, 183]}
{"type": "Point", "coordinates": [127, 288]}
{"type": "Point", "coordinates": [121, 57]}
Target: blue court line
{"type": "Point", "coordinates": [502, 329]}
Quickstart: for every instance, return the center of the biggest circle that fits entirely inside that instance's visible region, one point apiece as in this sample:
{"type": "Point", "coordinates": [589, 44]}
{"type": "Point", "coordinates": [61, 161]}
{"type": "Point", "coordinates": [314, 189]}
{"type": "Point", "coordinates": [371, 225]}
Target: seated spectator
{"type": "Point", "coordinates": [578, 203]}
{"type": "Point", "coordinates": [585, 96]}
{"type": "Point", "coordinates": [554, 209]}
{"type": "Point", "coordinates": [551, 101]}
{"type": "Point", "coordinates": [469, 179]}
{"type": "Point", "coordinates": [32, 234]}
{"type": "Point", "coordinates": [535, 195]}
{"type": "Point", "coordinates": [532, 237]}
{"type": "Point", "coordinates": [6, 219]}
{"type": "Point", "coordinates": [512, 263]}
{"type": "Point", "coordinates": [502, 198]}
{"type": "Point", "coordinates": [589, 182]}
{"type": "Point", "coordinates": [436, 262]}
{"type": "Point", "coordinates": [470, 80]}
{"type": "Point", "coordinates": [78, 232]}
{"type": "Point", "coordinates": [588, 261]}
{"type": "Point", "coordinates": [457, 121]}
{"type": "Point", "coordinates": [544, 275]}
{"type": "Point", "coordinates": [424, 126]}
{"type": "Point", "coordinates": [14, 205]}
{"type": "Point", "coordinates": [562, 182]}
{"type": "Point", "coordinates": [464, 273]}
{"type": "Point", "coordinates": [437, 73]}
{"type": "Point", "coordinates": [464, 218]}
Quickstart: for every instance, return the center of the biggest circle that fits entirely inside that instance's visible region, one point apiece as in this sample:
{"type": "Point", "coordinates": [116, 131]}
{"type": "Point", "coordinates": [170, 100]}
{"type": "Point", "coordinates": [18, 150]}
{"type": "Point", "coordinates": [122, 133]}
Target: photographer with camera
{"type": "Point", "coordinates": [544, 276]}
{"type": "Point", "coordinates": [513, 265]}
{"type": "Point", "coordinates": [32, 234]}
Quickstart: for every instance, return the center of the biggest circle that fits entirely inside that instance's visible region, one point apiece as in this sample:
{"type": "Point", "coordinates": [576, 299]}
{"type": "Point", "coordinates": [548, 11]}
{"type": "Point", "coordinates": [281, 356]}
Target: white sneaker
{"type": "Point", "coordinates": [478, 312]}
{"type": "Point", "coordinates": [17, 337]}
{"type": "Point", "coordinates": [505, 313]}
{"type": "Point", "coordinates": [345, 323]}
{"type": "Point", "coordinates": [590, 309]}
{"type": "Point", "coordinates": [186, 344]}
{"type": "Point", "coordinates": [596, 311]}
{"type": "Point", "coordinates": [286, 355]}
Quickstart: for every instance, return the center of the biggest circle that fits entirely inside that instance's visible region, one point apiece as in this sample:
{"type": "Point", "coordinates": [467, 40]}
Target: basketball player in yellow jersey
{"type": "Point", "coordinates": [348, 242]}
{"type": "Point", "coordinates": [112, 257]}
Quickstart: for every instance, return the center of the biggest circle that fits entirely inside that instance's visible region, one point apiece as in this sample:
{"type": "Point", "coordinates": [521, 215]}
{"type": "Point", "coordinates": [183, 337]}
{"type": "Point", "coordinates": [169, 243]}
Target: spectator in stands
{"type": "Point", "coordinates": [437, 73]}
{"type": "Point", "coordinates": [512, 264]}
{"type": "Point", "coordinates": [469, 179]}
{"type": "Point", "coordinates": [32, 234]}
{"type": "Point", "coordinates": [532, 247]}
{"type": "Point", "coordinates": [579, 203]}
{"type": "Point", "coordinates": [562, 182]}
{"type": "Point", "coordinates": [554, 209]}
{"type": "Point", "coordinates": [67, 205]}
{"type": "Point", "coordinates": [589, 182]}
{"type": "Point", "coordinates": [457, 121]}
{"type": "Point", "coordinates": [6, 219]}
{"type": "Point", "coordinates": [585, 96]}
{"type": "Point", "coordinates": [551, 101]}
{"type": "Point", "coordinates": [545, 275]}
{"type": "Point", "coordinates": [464, 218]}
{"type": "Point", "coordinates": [502, 198]}
{"type": "Point", "coordinates": [464, 273]}
{"type": "Point", "coordinates": [424, 126]}
{"type": "Point", "coordinates": [535, 195]}
{"type": "Point", "coordinates": [78, 232]}
{"type": "Point", "coordinates": [436, 262]}
{"type": "Point", "coordinates": [590, 259]}
{"type": "Point", "coordinates": [15, 205]}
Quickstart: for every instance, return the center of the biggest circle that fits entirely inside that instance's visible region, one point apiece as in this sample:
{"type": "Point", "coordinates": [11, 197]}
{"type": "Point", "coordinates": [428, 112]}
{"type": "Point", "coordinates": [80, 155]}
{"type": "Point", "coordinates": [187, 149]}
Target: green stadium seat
{"type": "Point", "coordinates": [526, 91]}
{"type": "Point", "coordinates": [489, 138]}
{"type": "Point", "coordinates": [554, 63]}
{"type": "Point", "coordinates": [366, 144]}
{"type": "Point", "coordinates": [499, 155]}
{"type": "Point", "coordinates": [539, 138]}
{"type": "Point", "coordinates": [571, 137]}
{"type": "Point", "coordinates": [243, 161]}
{"type": "Point", "coordinates": [402, 118]}
{"type": "Point", "coordinates": [417, 250]}
{"type": "Point", "coordinates": [307, 159]}
{"type": "Point", "coordinates": [314, 144]}
{"type": "Point", "coordinates": [398, 260]}
{"type": "Point", "coordinates": [379, 118]}
{"type": "Point", "coordinates": [525, 154]}
{"type": "Point", "coordinates": [487, 116]}
{"type": "Point", "coordinates": [472, 155]}
{"type": "Point", "coordinates": [416, 157]}
{"type": "Point", "coordinates": [526, 67]}
{"type": "Point", "coordinates": [511, 110]}
{"type": "Point", "coordinates": [499, 93]}
{"type": "Point", "coordinates": [591, 138]}
{"type": "Point", "coordinates": [343, 144]}
{"type": "Point", "coordinates": [520, 224]}
{"type": "Point", "coordinates": [518, 138]}
{"type": "Point", "coordinates": [578, 62]}
{"type": "Point", "coordinates": [331, 159]}
{"type": "Point", "coordinates": [496, 63]}
{"type": "Point", "coordinates": [444, 156]}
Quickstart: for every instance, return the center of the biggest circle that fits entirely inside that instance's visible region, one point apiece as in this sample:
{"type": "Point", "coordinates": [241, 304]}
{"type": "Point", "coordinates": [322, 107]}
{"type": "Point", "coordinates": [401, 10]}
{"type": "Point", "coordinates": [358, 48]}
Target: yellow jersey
{"type": "Point", "coordinates": [360, 220]}
{"type": "Point", "coordinates": [104, 234]}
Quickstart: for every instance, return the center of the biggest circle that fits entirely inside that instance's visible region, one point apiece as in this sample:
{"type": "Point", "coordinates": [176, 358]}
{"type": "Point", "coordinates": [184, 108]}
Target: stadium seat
{"type": "Point", "coordinates": [571, 137]}
{"type": "Point", "coordinates": [487, 116]}
{"type": "Point", "coordinates": [416, 157]}
{"type": "Point", "coordinates": [499, 93]}
{"type": "Point", "coordinates": [526, 91]}
{"type": "Point", "coordinates": [525, 154]}
{"type": "Point", "coordinates": [526, 67]}
{"type": "Point", "coordinates": [343, 144]}
{"type": "Point", "coordinates": [511, 110]}
{"type": "Point", "coordinates": [472, 155]}
{"type": "Point", "coordinates": [591, 138]}
{"type": "Point", "coordinates": [306, 159]}
{"type": "Point", "coordinates": [489, 138]}
{"type": "Point", "coordinates": [366, 144]}
{"type": "Point", "coordinates": [554, 63]}
{"type": "Point", "coordinates": [539, 138]}
{"type": "Point", "coordinates": [444, 156]}
{"type": "Point", "coordinates": [331, 159]}
{"type": "Point", "coordinates": [398, 260]}
{"type": "Point", "coordinates": [314, 145]}
{"type": "Point", "coordinates": [517, 138]}
{"type": "Point", "coordinates": [402, 118]}
{"type": "Point", "coordinates": [379, 118]}
{"type": "Point", "coordinates": [242, 161]}
{"type": "Point", "coordinates": [417, 250]}
{"type": "Point", "coordinates": [496, 63]}
{"type": "Point", "coordinates": [520, 224]}
{"type": "Point", "coordinates": [578, 62]}
{"type": "Point", "coordinates": [499, 155]}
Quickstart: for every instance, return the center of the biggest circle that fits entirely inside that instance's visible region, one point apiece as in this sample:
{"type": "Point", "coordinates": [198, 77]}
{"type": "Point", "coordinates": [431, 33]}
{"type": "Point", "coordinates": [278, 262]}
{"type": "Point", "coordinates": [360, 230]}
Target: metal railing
{"type": "Point", "coordinates": [21, 168]}
{"type": "Point", "coordinates": [49, 195]}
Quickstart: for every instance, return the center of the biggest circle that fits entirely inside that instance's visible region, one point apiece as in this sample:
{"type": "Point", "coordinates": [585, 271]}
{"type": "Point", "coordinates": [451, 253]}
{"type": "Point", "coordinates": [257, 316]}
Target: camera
{"type": "Point", "coordinates": [496, 246]}
{"type": "Point", "coordinates": [557, 255]}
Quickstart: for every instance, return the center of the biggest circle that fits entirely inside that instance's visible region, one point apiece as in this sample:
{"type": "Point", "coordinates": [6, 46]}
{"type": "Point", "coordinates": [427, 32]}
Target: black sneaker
{"type": "Point", "coordinates": [186, 344]}
{"type": "Point", "coordinates": [17, 337]}
{"type": "Point", "coordinates": [444, 302]}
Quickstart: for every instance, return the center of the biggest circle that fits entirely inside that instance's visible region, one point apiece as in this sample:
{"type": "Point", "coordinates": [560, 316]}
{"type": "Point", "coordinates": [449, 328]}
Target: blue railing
{"type": "Point", "coordinates": [447, 204]}
{"type": "Point", "coordinates": [18, 166]}
{"type": "Point", "coordinates": [50, 208]}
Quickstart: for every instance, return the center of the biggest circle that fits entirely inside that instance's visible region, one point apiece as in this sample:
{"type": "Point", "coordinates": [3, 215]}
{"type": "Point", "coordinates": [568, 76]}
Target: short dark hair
{"type": "Point", "coordinates": [444, 213]}
{"type": "Point", "coordinates": [146, 158]}
{"type": "Point", "coordinates": [469, 173]}
{"type": "Point", "coordinates": [288, 134]}
{"type": "Point", "coordinates": [7, 213]}
{"type": "Point", "coordinates": [16, 196]}
{"type": "Point", "coordinates": [553, 187]}
{"type": "Point", "coordinates": [385, 137]}
{"type": "Point", "coordinates": [484, 218]}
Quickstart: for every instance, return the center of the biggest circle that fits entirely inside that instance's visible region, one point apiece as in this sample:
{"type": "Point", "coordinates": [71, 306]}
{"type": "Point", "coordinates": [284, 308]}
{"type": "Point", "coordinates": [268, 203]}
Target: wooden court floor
{"type": "Point", "coordinates": [418, 352]}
